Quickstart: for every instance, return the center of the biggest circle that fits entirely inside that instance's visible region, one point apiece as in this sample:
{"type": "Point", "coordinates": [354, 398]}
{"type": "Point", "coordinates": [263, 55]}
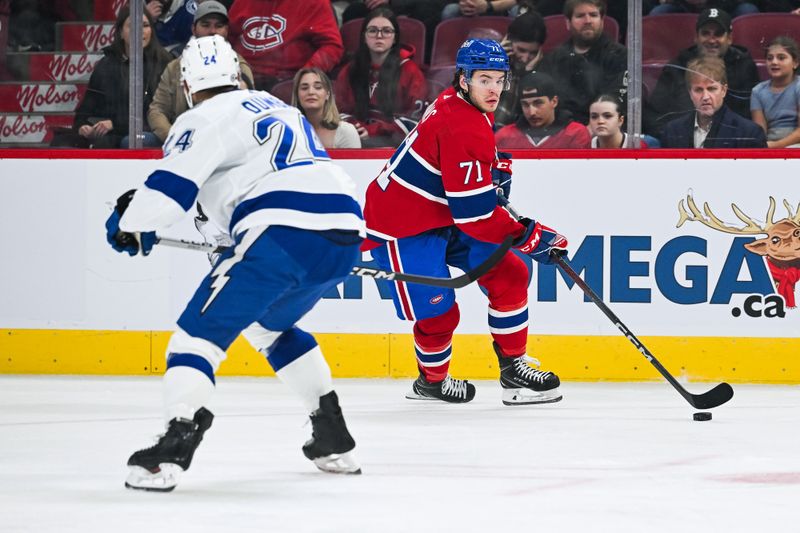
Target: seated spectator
{"type": "Point", "coordinates": [775, 104]}
{"type": "Point", "coordinates": [543, 123]}
{"type": "Point", "coordinates": [173, 21]}
{"type": "Point", "coordinates": [382, 87]}
{"type": "Point", "coordinates": [712, 124]}
{"type": "Point", "coordinates": [606, 119]}
{"type": "Point", "coordinates": [735, 7]}
{"type": "Point", "coordinates": [279, 37]}
{"type": "Point", "coordinates": [313, 95]}
{"type": "Point", "coordinates": [589, 63]}
{"type": "Point", "coordinates": [211, 18]}
{"type": "Point", "coordinates": [523, 44]}
{"type": "Point", "coordinates": [429, 12]}
{"type": "Point", "coordinates": [102, 118]}
{"type": "Point", "coordinates": [714, 38]}
{"type": "Point", "coordinates": [472, 8]}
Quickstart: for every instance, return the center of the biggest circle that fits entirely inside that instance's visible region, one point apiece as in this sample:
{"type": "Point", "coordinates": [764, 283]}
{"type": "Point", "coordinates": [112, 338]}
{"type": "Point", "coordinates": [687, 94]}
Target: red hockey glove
{"type": "Point", "coordinates": [538, 241]}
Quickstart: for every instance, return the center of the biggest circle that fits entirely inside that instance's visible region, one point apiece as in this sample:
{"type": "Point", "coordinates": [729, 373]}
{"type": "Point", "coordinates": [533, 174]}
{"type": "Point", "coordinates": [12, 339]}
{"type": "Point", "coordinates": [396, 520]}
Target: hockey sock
{"type": "Point", "coordinates": [309, 376]}
{"type": "Point", "coordinates": [185, 390]}
{"type": "Point", "coordinates": [509, 328]}
{"type": "Point", "coordinates": [433, 339]}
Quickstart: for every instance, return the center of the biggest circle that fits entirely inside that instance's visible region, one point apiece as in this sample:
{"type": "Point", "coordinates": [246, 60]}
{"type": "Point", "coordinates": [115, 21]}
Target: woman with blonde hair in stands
{"type": "Point", "coordinates": [312, 93]}
{"type": "Point", "coordinates": [775, 103]}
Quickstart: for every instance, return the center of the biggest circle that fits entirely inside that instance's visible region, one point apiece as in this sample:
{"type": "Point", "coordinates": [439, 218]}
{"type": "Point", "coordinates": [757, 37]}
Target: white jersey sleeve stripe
{"type": "Point", "coordinates": [180, 189]}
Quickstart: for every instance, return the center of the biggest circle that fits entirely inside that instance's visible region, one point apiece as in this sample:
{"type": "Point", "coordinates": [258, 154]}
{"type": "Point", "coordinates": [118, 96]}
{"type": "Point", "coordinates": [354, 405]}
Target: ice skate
{"type": "Point", "coordinates": [331, 446]}
{"type": "Point", "coordinates": [450, 390]}
{"type": "Point", "coordinates": [159, 467]}
{"type": "Point", "coordinates": [524, 385]}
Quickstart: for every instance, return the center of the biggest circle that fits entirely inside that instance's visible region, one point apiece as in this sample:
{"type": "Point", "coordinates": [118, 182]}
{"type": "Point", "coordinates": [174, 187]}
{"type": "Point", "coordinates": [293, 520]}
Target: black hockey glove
{"type": "Point", "coordinates": [123, 241]}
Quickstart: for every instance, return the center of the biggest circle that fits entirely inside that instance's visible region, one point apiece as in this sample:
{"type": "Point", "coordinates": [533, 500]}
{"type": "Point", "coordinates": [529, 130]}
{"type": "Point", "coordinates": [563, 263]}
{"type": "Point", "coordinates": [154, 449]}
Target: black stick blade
{"type": "Point", "coordinates": [713, 398]}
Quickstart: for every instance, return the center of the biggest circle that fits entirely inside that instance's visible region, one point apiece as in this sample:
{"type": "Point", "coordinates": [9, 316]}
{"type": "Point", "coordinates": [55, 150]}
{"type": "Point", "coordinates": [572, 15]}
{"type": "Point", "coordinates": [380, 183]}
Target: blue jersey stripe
{"type": "Point", "coordinates": [508, 321]}
{"type": "Point", "coordinates": [433, 357]}
{"type": "Point", "coordinates": [414, 173]}
{"type": "Point", "coordinates": [297, 201]}
{"type": "Point", "coordinates": [466, 207]}
{"type": "Point", "coordinates": [180, 189]}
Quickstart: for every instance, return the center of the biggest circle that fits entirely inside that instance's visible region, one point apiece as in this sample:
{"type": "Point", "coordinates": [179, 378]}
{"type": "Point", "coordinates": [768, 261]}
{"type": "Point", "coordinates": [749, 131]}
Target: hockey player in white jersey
{"type": "Point", "coordinates": [259, 170]}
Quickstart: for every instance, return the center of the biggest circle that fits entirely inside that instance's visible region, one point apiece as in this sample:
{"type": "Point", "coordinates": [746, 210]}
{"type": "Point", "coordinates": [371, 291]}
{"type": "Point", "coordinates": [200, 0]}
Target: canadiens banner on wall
{"type": "Point", "coordinates": [675, 247]}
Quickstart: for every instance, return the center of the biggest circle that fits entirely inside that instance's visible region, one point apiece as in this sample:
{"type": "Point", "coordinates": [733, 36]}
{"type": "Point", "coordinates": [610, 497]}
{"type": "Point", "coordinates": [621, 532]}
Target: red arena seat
{"type": "Point", "coordinates": [664, 36]}
{"type": "Point", "coordinates": [451, 33]}
{"type": "Point", "coordinates": [756, 31]}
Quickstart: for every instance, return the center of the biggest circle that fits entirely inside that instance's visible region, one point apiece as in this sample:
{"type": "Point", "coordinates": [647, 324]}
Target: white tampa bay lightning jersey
{"type": "Point", "coordinates": [250, 160]}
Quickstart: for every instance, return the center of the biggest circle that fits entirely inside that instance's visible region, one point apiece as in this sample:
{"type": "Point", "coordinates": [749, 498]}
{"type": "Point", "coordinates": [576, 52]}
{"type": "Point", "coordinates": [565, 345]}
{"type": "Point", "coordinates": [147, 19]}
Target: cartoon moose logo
{"type": "Point", "coordinates": [781, 246]}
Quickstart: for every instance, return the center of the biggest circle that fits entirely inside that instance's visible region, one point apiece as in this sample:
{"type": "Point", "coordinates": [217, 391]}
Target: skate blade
{"type": "Point", "coordinates": [412, 395]}
{"type": "Point", "coordinates": [164, 480]}
{"type": "Point", "coordinates": [338, 463]}
{"type": "Point", "coordinates": [530, 397]}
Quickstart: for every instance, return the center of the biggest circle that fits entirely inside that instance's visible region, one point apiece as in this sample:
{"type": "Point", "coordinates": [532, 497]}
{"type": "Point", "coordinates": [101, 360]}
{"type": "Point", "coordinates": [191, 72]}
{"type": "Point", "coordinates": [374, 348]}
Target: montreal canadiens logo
{"type": "Point", "coordinates": [436, 299]}
{"type": "Point", "coordinates": [263, 33]}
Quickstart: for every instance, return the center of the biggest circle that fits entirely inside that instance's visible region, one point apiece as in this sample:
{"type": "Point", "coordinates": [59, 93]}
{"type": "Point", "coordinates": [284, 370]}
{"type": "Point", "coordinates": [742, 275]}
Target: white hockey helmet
{"type": "Point", "coordinates": [206, 63]}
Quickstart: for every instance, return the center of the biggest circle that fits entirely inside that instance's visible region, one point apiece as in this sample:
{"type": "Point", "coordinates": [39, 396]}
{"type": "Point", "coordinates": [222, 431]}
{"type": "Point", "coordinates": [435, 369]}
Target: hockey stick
{"type": "Point", "coordinates": [708, 400]}
{"type": "Point", "coordinates": [375, 273]}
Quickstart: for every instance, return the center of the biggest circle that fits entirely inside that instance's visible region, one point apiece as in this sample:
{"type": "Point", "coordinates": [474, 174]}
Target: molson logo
{"type": "Point", "coordinates": [48, 97]}
{"type": "Point", "coordinates": [71, 67]}
{"type": "Point", "coordinates": [20, 128]}
{"type": "Point", "coordinates": [263, 33]}
{"type": "Point", "coordinates": [97, 36]}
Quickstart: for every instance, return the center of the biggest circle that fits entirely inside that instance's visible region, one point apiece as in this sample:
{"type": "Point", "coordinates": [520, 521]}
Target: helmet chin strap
{"type": "Point", "coordinates": [465, 93]}
{"type": "Point", "coordinates": [187, 95]}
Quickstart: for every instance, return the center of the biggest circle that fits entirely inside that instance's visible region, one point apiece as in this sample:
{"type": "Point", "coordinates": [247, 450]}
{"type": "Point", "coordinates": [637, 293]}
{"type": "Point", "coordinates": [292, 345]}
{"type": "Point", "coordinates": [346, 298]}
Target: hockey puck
{"type": "Point", "coordinates": [702, 416]}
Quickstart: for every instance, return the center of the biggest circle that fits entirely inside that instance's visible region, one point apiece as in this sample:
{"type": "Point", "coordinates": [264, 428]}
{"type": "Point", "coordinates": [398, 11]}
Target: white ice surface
{"type": "Point", "coordinates": [609, 457]}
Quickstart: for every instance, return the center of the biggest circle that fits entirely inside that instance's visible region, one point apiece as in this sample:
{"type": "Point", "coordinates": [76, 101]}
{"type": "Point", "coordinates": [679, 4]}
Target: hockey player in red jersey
{"type": "Point", "coordinates": [434, 204]}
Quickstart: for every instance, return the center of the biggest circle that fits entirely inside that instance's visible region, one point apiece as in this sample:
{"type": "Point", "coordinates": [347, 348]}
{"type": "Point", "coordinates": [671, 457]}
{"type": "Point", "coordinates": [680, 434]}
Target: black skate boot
{"type": "Point", "coordinates": [523, 384]}
{"type": "Point", "coordinates": [331, 446]}
{"type": "Point", "coordinates": [450, 390]}
{"type": "Point", "coordinates": [158, 468]}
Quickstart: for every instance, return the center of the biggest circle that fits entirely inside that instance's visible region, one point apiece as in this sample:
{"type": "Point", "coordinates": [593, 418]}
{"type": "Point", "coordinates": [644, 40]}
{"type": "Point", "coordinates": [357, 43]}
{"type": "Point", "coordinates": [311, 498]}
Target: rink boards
{"type": "Point", "coordinates": [701, 301]}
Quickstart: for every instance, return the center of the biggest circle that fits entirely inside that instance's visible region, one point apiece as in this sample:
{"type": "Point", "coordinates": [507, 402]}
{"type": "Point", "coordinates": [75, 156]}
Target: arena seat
{"type": "Point", "coordinates": [757, 30]}
{"type": "Point", "coordinates": [558, 34]}
{"type": "Point", "coordinates": [412, 31]}
{"type": "Point", "coordinates": [283, 90]}
{"type": "Point", "coordinates": [451, 33]}
{"type": "Point", "coordinates": [664, 36]}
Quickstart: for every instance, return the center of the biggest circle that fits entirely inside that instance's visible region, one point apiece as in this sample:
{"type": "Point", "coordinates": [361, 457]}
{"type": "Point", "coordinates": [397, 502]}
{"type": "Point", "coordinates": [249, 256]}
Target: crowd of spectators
{"type": "Point", "coordinates": [571, 96]}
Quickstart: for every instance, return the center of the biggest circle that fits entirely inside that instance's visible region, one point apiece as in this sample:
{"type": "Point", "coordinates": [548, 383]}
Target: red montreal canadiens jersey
{"type": "Point", "coordinates": [440, 176]}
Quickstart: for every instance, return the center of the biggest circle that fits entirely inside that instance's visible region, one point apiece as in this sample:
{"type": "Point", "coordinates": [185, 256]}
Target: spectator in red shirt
{"type": "Point", "coordinates": [279, 37]}
{"type": "Point", "coordinates": [542, 124]}
{"type": "Point", "coordinates": [382, 90]}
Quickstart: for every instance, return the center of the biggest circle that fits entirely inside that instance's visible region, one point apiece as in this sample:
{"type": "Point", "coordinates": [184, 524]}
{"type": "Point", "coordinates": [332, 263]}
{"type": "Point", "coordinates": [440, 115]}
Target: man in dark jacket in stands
{"type": "Point", "coordinates": [712, 124]}
{"type": "Point", "coordinates": [714, 38]}
{"type": "Point", "coordinates": [589, 63]}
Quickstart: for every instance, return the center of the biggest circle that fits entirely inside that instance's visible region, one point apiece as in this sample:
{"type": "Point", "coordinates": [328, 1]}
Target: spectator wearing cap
{"type": "Point", "coordinates": [736, 8]}
{"type": "Point", "coordinates": [543, 123]}
{"type": "Point", "coordinates": [173, 21]}
{"type": "Point", "coordinates": [714, 38]}
{"type": "Point", "coordinates": [712, 124]}
{"type": "Point", "coordinates": [589, 63]}
{"type": "Point", "coordinates": [211, 18]}
{"type": "Point", "coordinates": [279, 37]}
{"type": "Point", "coordinates": [523, 43]}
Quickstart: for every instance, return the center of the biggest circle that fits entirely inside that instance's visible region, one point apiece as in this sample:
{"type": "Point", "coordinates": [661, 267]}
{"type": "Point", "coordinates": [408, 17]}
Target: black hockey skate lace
{"type": "Point", "coordinates": [454, 387]}
{"type": "Point", "coordinates": [529, 373]}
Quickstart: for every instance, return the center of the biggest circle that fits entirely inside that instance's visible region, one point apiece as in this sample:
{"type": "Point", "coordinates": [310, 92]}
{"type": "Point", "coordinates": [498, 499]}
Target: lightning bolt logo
{"type": "Point", "coordinates": [220, 276]}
